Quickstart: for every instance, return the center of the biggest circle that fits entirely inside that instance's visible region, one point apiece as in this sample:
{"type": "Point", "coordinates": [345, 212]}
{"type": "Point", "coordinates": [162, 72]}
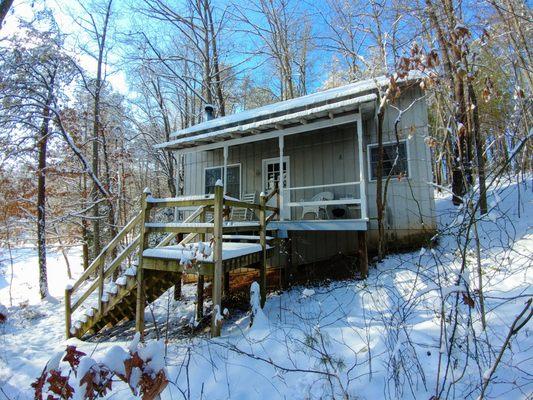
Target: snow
{"type": "Point", "coordinates": [122, 280]}
{"type": "Point", "coordinates": [86, 363]}
{"type": "Point", "coordinates": [283, 106]}
{"type": "Point", "coordinates": [154, 354]}
{"type": "Point", "coordinates": [114, 359]}
{"type": "Point", "coordinates": [132, 347]}
{"type": "Point", "coordinates": [296, 116]}
{"type": "Point", "coordinates": [194, 225]}
{"type": "Point", "coordinates": [368, 329]}
{"type": "Point", "coordinates": [202, 251]}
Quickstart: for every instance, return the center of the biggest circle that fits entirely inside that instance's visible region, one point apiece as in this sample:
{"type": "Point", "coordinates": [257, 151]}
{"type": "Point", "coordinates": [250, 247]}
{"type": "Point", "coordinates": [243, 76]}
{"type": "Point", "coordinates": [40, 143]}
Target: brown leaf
{"type": "Point", "coordinates": [130, 363]}
{"type": "Point", "coordinates": [152, 387]}
{"type": "Point", "coordinates": [467, 300]}
{"type": "Point", "coordinates": [58, 384]}
{"type": "Point", "coordinates": [73, 357]}
{"type": "Point", "coordinates": [97, 382]}
{"type": "Point", "coordinates": [38, 386]}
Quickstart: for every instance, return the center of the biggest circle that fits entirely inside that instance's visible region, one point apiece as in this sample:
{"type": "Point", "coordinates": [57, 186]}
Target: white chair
{"type": "Point", "coordinates": [245, 214]}
{"type": "Point", "coordinates": [315, 210]}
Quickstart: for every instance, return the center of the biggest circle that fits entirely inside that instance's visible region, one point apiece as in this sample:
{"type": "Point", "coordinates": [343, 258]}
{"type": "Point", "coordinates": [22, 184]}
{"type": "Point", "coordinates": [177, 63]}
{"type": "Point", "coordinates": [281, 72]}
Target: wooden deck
{"type": "Point", "coordinates": [109, 299]}
{"type": "Point", "coordinates": [252, 258]}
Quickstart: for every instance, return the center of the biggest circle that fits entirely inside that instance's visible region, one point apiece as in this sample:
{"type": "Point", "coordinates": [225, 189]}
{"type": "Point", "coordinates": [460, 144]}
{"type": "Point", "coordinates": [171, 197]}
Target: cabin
{"type": "Point", "coordinates": [324, 146]}
{"type": "Point", "coordinates": [288, 184]}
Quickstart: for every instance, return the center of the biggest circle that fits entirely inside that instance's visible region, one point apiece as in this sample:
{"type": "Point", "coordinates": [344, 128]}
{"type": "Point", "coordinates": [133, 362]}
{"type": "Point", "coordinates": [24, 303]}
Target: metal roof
{"type": "Point", "coordinates": [278, 116]}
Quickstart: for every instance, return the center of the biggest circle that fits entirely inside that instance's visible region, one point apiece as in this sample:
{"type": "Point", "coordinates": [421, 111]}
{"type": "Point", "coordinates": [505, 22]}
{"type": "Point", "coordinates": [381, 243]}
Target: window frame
{"type": "Point", "coordinates": [371, 146]}
{"type": "Point", "coordinates": [274, 160]}
{"type": "Point", "coordinates": [221, 167]}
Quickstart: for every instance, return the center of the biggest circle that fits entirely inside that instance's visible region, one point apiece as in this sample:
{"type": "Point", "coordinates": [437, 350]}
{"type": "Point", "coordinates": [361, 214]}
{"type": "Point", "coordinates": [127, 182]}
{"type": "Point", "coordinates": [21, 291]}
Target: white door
{"type": "Point", "coordinates": [271, 175]}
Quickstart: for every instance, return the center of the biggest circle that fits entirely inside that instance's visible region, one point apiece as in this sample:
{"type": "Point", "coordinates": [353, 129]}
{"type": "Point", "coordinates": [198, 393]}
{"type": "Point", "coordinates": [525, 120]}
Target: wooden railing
{"type": "Point", "coordinates": [216, 204]}
{"type": "Point", "coordinates": [98, 266]}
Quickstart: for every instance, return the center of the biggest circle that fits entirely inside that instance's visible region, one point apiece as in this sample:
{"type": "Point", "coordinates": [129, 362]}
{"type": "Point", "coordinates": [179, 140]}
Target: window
{"type": "Point", "coordinates": [271, 173]}
{"type": "Point", "coordinates": [389, 156]}
{"type": "Point", "coordinates": [233, 186]}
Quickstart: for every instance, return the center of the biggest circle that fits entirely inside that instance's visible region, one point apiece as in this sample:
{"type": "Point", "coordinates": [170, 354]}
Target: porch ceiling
{"type": "Point", "coordinates": [285, 124]}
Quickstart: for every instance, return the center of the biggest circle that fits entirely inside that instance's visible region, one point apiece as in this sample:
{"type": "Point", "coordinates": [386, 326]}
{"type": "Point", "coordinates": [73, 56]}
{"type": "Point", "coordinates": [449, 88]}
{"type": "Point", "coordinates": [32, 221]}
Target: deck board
{"type": "Point", "coordinates": [235, 255]}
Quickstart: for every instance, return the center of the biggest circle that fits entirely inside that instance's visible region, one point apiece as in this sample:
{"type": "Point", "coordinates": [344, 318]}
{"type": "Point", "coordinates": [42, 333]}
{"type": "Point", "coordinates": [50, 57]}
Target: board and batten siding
{"type": "Point", "coordinates": [329, 156]}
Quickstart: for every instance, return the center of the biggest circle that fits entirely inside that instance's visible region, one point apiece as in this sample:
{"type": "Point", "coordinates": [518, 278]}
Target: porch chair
{"type": "Point", "coordinates": [315, 210]}
{"type": "Point", "coordinates": [245, 214]}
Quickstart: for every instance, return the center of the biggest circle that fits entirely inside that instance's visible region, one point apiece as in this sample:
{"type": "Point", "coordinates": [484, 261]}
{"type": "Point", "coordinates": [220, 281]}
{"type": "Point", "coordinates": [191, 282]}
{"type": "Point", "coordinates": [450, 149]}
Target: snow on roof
{"type": "Point", "coordinates": [329, 95]}
{"type": "Point", "coordinates": [309, 113]}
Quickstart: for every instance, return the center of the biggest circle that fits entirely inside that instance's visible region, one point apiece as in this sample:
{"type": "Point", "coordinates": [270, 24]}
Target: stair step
{"type": "Point", "coordinates": [122, 280]}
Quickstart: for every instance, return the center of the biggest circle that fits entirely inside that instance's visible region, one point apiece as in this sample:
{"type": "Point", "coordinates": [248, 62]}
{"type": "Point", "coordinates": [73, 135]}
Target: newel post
{"type": "Point", "coordinates": [262, 240]}
{"type": "Point", "coordinates": [143, 243]}
{"type": "Point", "coordinates": [68, 311]}
{"type": "Point", "coordinates": [216, 321]}
{"type": "Point", "coordinates": [200, 282]}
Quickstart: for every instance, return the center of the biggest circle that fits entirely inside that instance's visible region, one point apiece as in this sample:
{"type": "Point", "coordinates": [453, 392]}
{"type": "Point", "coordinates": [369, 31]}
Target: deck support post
{"type": "Point", "coordinates": [68, 311]}
{"type": "Point", "coordinates": [360, 157]}
{"type": "Point", "coordinates": [225, 171]}
{"type": "Point", "coordinates": [218, 261]}
{"type": "Point", "coordinates": [281, 183]}
{"type": "Point", "coordinates": [143, 243]}
{"type": "Point", "coordinates": [288, 271]}
{"type": "Point", "coordinates": [177, 284]}
{"type": "Point", "coordinates": [200, 298]}
{"type": "Point", "coordinates": [226, 284]}
{"type": "Point", "coordinates": [262, 240]}
{"type": "Point", "coordinates": [362, 253]}
{"type": "Point", "coordinates": [200, 281]}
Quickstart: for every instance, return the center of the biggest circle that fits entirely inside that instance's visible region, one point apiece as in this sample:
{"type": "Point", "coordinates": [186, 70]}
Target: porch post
{"type": "Point", "coordinates": [225, 172]}
{"type": "Point", "coordinates": [362, 180]}
{"type": "Point", "coordinates": [281, 194]}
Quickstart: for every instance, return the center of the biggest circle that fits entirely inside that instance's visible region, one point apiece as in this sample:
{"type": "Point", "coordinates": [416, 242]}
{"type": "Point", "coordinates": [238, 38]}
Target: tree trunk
{"type": "Point", "coordinates": [480, 150]}
{"type": "Point", "coordinates": [95, 194]}
{"type": "Point", "coordinates": [41, 193]}
{"type": "Point", "coordinates": [97, 247]}
{"type": "Point", "coordinates": [216, 67]}
{"type": "Point", "coordinates": [5, 5]}
{"type": "Point", "coordinates": [380, 206]}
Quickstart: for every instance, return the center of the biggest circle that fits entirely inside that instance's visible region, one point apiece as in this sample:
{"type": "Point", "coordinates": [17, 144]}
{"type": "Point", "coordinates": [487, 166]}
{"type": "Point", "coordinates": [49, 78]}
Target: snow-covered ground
{"type": "Point", "coordinates": [378, 338]}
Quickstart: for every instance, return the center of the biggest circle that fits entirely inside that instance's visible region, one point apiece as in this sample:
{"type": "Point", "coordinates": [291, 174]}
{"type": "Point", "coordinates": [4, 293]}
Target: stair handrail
{"type": "Point", "coordinates": [218, 202]}
{"type": "Point", "coordinates": [167, 239]}
{"type": "Point", "coordinates": [103, 273]}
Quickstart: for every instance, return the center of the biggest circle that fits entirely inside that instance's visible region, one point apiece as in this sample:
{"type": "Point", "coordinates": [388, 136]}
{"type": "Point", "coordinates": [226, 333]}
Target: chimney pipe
{"type": "Point", "coordinates": [209, 112]}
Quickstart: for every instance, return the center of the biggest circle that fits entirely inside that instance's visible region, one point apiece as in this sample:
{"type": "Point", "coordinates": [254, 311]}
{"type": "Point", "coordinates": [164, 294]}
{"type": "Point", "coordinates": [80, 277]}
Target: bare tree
{"type": "Point", "coordinates": [5, 5]}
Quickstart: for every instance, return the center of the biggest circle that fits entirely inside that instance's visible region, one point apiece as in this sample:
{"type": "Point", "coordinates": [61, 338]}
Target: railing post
{"type": "Point", "coordinates": [217, 259]}
{"type": "Point", "coordinates": [143, 243]}
{"type": "Point", "coordinates": [281, 193]}
{"type": "Point", "coordinates": [276, 188]}
{"type": "Point", "coordinates": [262, 240]}
{"type": "Point", "coordinates": [101, 283]}
{"type": "Point", "coordinates": [360, 157]}
{"type": "Point", "coordinates": [68, 311]}
{"type": "Point", "coordinates": [200, 282]}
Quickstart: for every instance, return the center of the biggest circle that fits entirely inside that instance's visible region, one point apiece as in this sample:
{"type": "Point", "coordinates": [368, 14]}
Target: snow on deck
{"type": "Point", "coordinates": [202, 251]}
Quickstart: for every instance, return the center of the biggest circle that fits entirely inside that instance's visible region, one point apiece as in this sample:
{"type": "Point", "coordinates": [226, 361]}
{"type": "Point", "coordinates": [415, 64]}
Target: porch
{"type": "Point", "coordinates": [318, 166]}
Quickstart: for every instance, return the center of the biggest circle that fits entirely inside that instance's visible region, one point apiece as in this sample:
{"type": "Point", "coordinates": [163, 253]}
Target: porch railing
{"type": "Point", "coordinates": [328, 201]}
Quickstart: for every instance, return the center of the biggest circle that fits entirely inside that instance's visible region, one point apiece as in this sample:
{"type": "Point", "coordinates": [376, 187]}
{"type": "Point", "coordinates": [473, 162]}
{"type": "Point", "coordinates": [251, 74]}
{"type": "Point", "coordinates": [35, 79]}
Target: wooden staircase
{"type": "Point", "coordinates": [103, 301]}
